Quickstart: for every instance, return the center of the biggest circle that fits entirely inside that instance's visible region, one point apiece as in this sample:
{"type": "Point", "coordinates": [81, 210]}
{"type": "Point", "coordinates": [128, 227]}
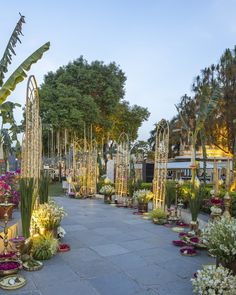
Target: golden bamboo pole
{"type": "Point", "coordinates": [160, 164]}
{"type": "Point", "coordinates": [32, 138]}
{"type": "Point", "coordinates": [122, 165]}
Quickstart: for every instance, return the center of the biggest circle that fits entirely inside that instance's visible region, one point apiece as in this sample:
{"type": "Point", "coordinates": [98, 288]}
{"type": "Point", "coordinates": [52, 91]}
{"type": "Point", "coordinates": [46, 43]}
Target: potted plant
{"type": "Point", "coordinates": [158, 216]}
{"type": "Point", "coordinates": [220, 238]}
{"type": "Point", "coordinates": [195, 198]}
{"type": "Point", "coordinates": [26, 204]}
{"type": "Point", "coordinates": [215, 208]}
{"type": "Point", "coordinates": [143, 196]}
{"type": "Point", "coordinates": [44, 246]}
{"type": "Point", "coordinates": [47, 217]}
{"type": "Point", "coordinates": [107, 190]}
{"type": "Point", "coordinates": [214, 280]}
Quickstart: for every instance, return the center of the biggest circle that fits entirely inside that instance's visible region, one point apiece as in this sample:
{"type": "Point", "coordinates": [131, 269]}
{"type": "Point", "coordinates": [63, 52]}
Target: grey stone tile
{"type": "Point", "coordinates": [107, 231]}
{"type": "Point", "coordinates": [115, 284]}
{"type": "Point", "coordinates": [127, 261]}
{"type": "Point", "coordinates": [115, 252]}
{"type": "Point", "coordinates": [82, 254]}
{"type": "Point", "coordinates": [73, 287]}
{"type": "Point", "coordinates": [74, 227]}
{"type": "Point", "coordinates": [137, 244]}
{"type": "Point", "coordinates": [109, 250]}
{"type": "Point", "coordinates": [151, 275]}
{"type": "Point", "coordinates": [178, 287]}
{"type": "Point", "coordinates": [125, 236]}
{"type": "Point", "coordinates": [94, 269]}
{"type": "Point", "coordinates": [50, 275]}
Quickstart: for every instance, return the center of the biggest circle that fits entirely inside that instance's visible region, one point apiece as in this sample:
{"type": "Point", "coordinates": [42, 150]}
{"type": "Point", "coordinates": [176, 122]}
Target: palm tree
{"type": "Point", "coordinates": [20, 73]}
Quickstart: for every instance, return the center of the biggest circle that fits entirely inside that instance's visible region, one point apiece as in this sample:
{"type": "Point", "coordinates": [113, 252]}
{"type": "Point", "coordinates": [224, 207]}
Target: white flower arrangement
{"type": "Point", "coordinates": [61, 232]}
{"type": "Point", "coordinates": [48, 216]}
{"type": "Point", "coordinates": [215, 210]}
{"type": "Point", "coordinates": [107, 190]}
{"type": "Point", "coordinates": [143, 195]}
{"type": "Point", "coordinates": [212, 280]}
{"type": "Point", "coordinates": [220, 238]}
{"type": "Point", "coordinates": [212, 192]}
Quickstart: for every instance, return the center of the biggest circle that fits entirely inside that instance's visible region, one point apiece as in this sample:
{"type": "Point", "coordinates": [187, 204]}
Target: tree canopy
{"type": "Point", "coordinates": [83, 93]}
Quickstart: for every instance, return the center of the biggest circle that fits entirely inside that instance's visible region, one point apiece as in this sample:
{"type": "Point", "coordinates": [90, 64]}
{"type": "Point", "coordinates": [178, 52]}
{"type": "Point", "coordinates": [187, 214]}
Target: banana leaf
{"type": "Point", "coordinates": [19, 74]}
{"type": "Point", "coordinates": [7, 55]}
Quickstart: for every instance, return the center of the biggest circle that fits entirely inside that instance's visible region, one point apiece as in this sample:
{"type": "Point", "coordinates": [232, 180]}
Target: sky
{"type": "Point", "coordinates": [161, 45]}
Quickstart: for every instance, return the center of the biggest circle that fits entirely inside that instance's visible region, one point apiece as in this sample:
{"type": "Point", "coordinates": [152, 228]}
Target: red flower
{"type": "Point", "coordinates": [188, 251]}
{"type": "Point", "coordinates": [194, 240]}
{"type": "Point", "coordinates": [179, 243]}
{"type": "Point", "coordinates": [215, 201]}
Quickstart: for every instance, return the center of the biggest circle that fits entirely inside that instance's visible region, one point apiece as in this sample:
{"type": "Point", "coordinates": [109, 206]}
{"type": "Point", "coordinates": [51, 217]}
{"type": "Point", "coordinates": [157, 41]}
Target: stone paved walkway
{"type": "Point", "coordinates": [113, 252]}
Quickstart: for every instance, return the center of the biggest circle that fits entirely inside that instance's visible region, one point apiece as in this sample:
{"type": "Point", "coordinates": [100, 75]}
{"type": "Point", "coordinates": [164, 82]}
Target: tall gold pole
{"type": "Point", "coordinates": [32, 139]}
{"type": "Point", "coordinates": [160, 164]}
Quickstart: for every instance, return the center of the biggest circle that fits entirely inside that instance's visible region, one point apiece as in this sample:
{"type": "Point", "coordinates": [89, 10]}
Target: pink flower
{"type": "Point", "coordinates": [6, 187]}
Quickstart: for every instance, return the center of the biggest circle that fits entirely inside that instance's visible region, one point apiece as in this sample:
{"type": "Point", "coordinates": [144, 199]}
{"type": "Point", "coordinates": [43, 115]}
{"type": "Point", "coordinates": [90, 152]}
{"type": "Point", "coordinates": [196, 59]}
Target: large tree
{"type": "Point", "coordinates": [83, 94]}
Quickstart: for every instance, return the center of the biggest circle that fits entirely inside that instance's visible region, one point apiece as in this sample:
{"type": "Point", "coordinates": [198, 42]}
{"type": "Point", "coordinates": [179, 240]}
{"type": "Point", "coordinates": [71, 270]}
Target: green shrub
{"type": "Point", "coordinates": [170, 192]}
{"type": "Point", "coordinates": [44, 246]}
{"type": "Point", "coordinates": [133, 186]}
{"type": "Point", "coordinates": [146, 185]}
{"type": "Point", "coordinates": [26, 204]}
{"type": "Point", "coordinates": [158, 213]}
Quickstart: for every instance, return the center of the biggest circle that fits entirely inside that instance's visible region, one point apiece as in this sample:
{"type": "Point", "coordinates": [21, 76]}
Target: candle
{"type": "Point", "coordinates": [17, 230]}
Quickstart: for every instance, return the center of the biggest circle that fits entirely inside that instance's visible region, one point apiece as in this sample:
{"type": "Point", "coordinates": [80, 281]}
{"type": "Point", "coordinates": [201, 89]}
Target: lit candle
{"type": "Point", "coordinates": [17, 230]}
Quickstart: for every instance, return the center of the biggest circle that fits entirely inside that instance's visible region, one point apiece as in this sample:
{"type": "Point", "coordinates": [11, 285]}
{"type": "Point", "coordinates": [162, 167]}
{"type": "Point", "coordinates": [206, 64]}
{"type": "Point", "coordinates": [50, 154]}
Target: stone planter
{"type": "Point", "coordinates": [142, 207]}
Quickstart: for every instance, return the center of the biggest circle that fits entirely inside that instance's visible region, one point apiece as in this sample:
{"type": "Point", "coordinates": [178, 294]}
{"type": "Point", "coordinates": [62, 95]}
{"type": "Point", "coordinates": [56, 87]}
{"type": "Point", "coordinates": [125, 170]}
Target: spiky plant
{"type": "Point", "coordinates": [26, 204]}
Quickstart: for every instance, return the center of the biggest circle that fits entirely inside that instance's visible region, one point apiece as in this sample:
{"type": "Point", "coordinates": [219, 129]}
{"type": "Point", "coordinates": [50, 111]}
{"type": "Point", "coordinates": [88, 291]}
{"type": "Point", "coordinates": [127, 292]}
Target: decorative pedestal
{"type": "Point", "coordinates": [19, 244]}
{"type": "Point", "coordinates": [142, 207]}
{"type": "Point", "coordinates": [6, 207]}
{"type": "Point", "coordinates": [227, 203]}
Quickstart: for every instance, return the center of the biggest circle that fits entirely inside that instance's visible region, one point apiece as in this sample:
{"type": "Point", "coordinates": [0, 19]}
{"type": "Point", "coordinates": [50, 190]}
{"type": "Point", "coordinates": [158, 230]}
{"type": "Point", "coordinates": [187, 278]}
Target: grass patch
{"type": "Point", "coordinates": [55, 190]}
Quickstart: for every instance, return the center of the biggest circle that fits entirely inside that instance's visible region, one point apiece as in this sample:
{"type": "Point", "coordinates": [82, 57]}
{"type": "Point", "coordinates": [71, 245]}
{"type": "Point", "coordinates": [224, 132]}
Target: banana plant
{"type": "Point", "coordinates": [8, 130]}
{"type": "Point", "coordinates": [207, 104]}
{"type": "Point", "coordinates": [208, 100]}
{"type": "Point", "coordinates": [20, 73]}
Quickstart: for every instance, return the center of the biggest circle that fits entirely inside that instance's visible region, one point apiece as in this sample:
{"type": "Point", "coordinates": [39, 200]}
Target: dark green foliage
{"type": "Point", "coordinates": [43, 188]}
{"type": "Point", "coordinates": [55, 189]}
{"type": "Point", "coordinates": [26, 204]}
{"type": "Point", "coordinates": [195, 198]}
{"type": "Point", "coordinates": [81, 92]}
{"type": "Point", "coordinates": [170, 193]}
{"type": "Point", "coordinates": [146, 185]}
{"type": "Point", "coordinates": [133, 186]}
{"type": "Point", "coordinates": [233, 204]}
{"type": "Point", "coordinates": [84, 94]}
